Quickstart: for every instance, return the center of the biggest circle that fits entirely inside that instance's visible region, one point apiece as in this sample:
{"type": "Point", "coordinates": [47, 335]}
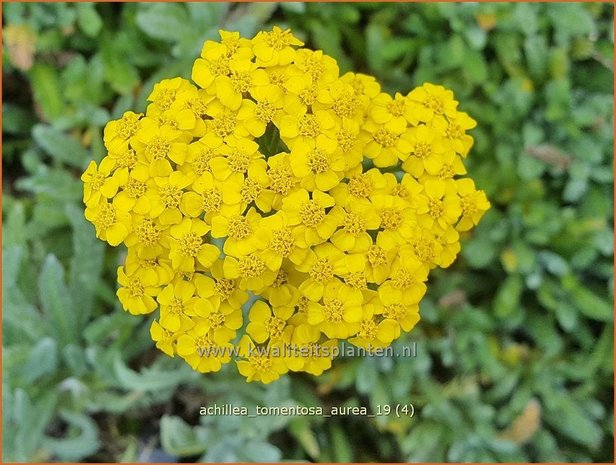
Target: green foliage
{"type": "Point", "coordinates": [515, 348]}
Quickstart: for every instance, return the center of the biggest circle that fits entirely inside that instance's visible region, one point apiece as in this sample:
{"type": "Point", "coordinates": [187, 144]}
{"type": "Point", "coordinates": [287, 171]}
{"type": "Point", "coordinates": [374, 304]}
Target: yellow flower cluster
{"type": "Point", "coordinates": [331, 237]}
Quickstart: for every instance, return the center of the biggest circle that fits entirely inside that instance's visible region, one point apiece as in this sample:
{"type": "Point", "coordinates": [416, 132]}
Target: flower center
{"type": "Point", "coordinates": [176, 307]}
{"type": "Point", "coordinates": [421, 150]}
{"type": "Point", "coordinates": [311, 213]}
{"type": "Point", "coordinates": [322, 271]}
{"type": "Point", "coordinates": [211, 200]}
{"type": "Point", "coordinates": [147, 232]}
{"type": "Point", "coordinates": [224, 125]}
{"type": "Point", "coordinates": [435, 104]}
{"type": "Point", "coordinates": [367, 329]}
{"type": "Point", "coordinates": [275, 326]}
{"type": "Point", "coordinates": [239, 161]}
{"type": "Point", "coordinates": [396, 106]}
{"type": "Point", "coordinates": [106, 216]}
{"type": "Point", "coordinates": [205, 347]}
{"type": "Point", "coordinates": [127, 158]}
{"type": "Point", "coordinates": [314, 67]}
{"type": "Point", "coordinates": [446, 172]}
{"type": "Point", "coordinates": [240, 81]}
{"type": "Point", "coordinates": [282, 242]}
{"type": "Point", "coordinates": [170, 196]}
{"type": "Point", "coordinates": [251, 266]}
{"type": "Point", "coordinates": [469, 207]}
{"type": "Point", "coordinates": [360, 186]}
{"type": "Point", "coordinates": [345, 139]}
{"type": "Point", "coordinates": [165, 98]}
{"type": "Point", "coordinates": [308, 95]}
{"type": "Point", "coordinates": [278, 39]}
{"type": "Point", "coordinates": [220, 66]}
{"type": "Point", "coordinates": [391, 218]}
{"type": "Point", "coordinates": [216, 319]}
{"type": "Point", "coordinates": [260, 362]}
{"type": "Point", "coordinates": [190, 244]}
{"type": "Point", "coordinates": [424, 250]}
{"type": "Point", "coordinates": [318, 162]}
{"type": "Point", "coordinates": [402, 279]}
{"type": "Point", "coordinates": [309, 127]}
{"type": "Point", "coordinates": [134, 189]}
{"type": "Point", "coordinates": [400, 191]}
{"type": "Point", "coordinates": [394, 311]}
{"type": "Point", "coordinates": [281, 179]}
{"type": "Point", "coordinates": [251, 190]}
{"type": "Point", "coordinates": [385, 138]}
{"type": "Point", "coordinates": [345, 105]}
{"type": "Point", "coordinates": [376, 255]}
{"type": "Point", "coordinates": [198, 107]}
{"type": "Point", "coordinates": [97, 180]}
{"type": "Point", "coordinates": [265, 111]}
{"type": "Point", "coordinates": [357, 280]}
{"type": "Point", "coordinates": [202, 161]}
{"type": "Point", "coordinates": [135, 288]}
{"type": "Point", "coordinates": [157, 148]}
{"type": "Point", "coordinates": [128, 126]}
{"type": "Point", "coordinates": [436, 208]}
{"type": "Point", "coordinates": [354, 224]}
{"type": "Point", "coordinates": [334, 308]}
{"type": "Point", "coordinates": [239, 227]}
{"type": "Point", "coordinates": [224, 288]}
{"type": "Point", "coordinates": [281, 278]}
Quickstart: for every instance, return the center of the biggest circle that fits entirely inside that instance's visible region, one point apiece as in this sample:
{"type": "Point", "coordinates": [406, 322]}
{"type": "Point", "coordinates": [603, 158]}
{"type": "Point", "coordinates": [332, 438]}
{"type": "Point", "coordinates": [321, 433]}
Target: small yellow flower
{"type": "Point", "coordinates": [264, 364]}
{"type": "Point", "coordinates": [320, 166]}
{"type": "Point", "coordinates": [474, 204]}
{"type": "Point", "coordinates": [111, 222]}
{"type": "Point", "coordinates": [187, 246]}
{"type": "Point", "coordinates": [118, 132]}
{"type": "Point", "coordinates": [436, 99]}
{"type": "Point", "coordinates": [267, 323]}
{"type": "Point", "coordinates": [165, 197]}
{"type": "Point", "coordinates": [99, 182]}
{"type": "Point", "coordinates": [307, 214]}
{"type": "Point", "coordinates": [339, 315]}
{"type": "Point", "coordinates": [218, 289]}
{"type": "Point", "coordinates": [201, 352]}
{"type": "Point", "coordinates": [136, 294]}
{"type": "Point", "coordinates": [176, 305]}
{"type": "Point", "coordinates": [275, 48]}
{"type": "Point", "coordinates": [454, 130]}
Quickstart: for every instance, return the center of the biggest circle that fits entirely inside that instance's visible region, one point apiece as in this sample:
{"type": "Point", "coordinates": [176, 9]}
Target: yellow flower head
{"type": "Point", "coordinates": [272, 208]}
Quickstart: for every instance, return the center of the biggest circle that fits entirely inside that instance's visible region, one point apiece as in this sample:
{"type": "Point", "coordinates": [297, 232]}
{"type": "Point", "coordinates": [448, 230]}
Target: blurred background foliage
{"type": "Point", "coordinates": [515, 347]}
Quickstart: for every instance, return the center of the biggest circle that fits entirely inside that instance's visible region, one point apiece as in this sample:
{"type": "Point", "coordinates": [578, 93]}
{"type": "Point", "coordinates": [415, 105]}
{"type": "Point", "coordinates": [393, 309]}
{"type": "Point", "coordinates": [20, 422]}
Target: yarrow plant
{"type": "Point", "coordinates": [274, 183]}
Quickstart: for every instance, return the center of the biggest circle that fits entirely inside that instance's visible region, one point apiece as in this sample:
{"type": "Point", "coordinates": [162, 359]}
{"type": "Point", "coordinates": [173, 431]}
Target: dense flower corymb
{"type": "Point", "coordinates": [329, 236]}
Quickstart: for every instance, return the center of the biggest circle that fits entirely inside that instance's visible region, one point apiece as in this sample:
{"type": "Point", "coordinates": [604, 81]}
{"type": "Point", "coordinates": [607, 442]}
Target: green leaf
{"type": "Point", "coordinates": [150, 379]}
{"type": "Point", "coordinates": [119, 71]}
{"type": "Point", "coordinates": [568, 418]}
{"type": "Point", "coordinates": [507, 300]}
{"type": "Point", "coordinates": [179, 439]}
{"type": "Point", "coordinates": [301, 431]}
{"type": "Point", "coordinates": [47, 91]}
{"type": "Point", "coordinates": [589, 303]}
{"type": "Point", "coordinates": [88, 19]}
{"type": "Point", "coordinates": [42, 360]}
{"type": "Point", "coordinates": [24, 420]}
{"type": "Point", "coordinates": [56, 301]}
{"type": "Point", "coordinates": [60, 146]}
{"type": "Point", "coordinates": [164, 21]}
{"type": "Point", "coordinates": [16, 119]}
{"type": "Point", "coordinates": [86, 268]}
{"type": "Point", "coordinates": [75, 447]}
